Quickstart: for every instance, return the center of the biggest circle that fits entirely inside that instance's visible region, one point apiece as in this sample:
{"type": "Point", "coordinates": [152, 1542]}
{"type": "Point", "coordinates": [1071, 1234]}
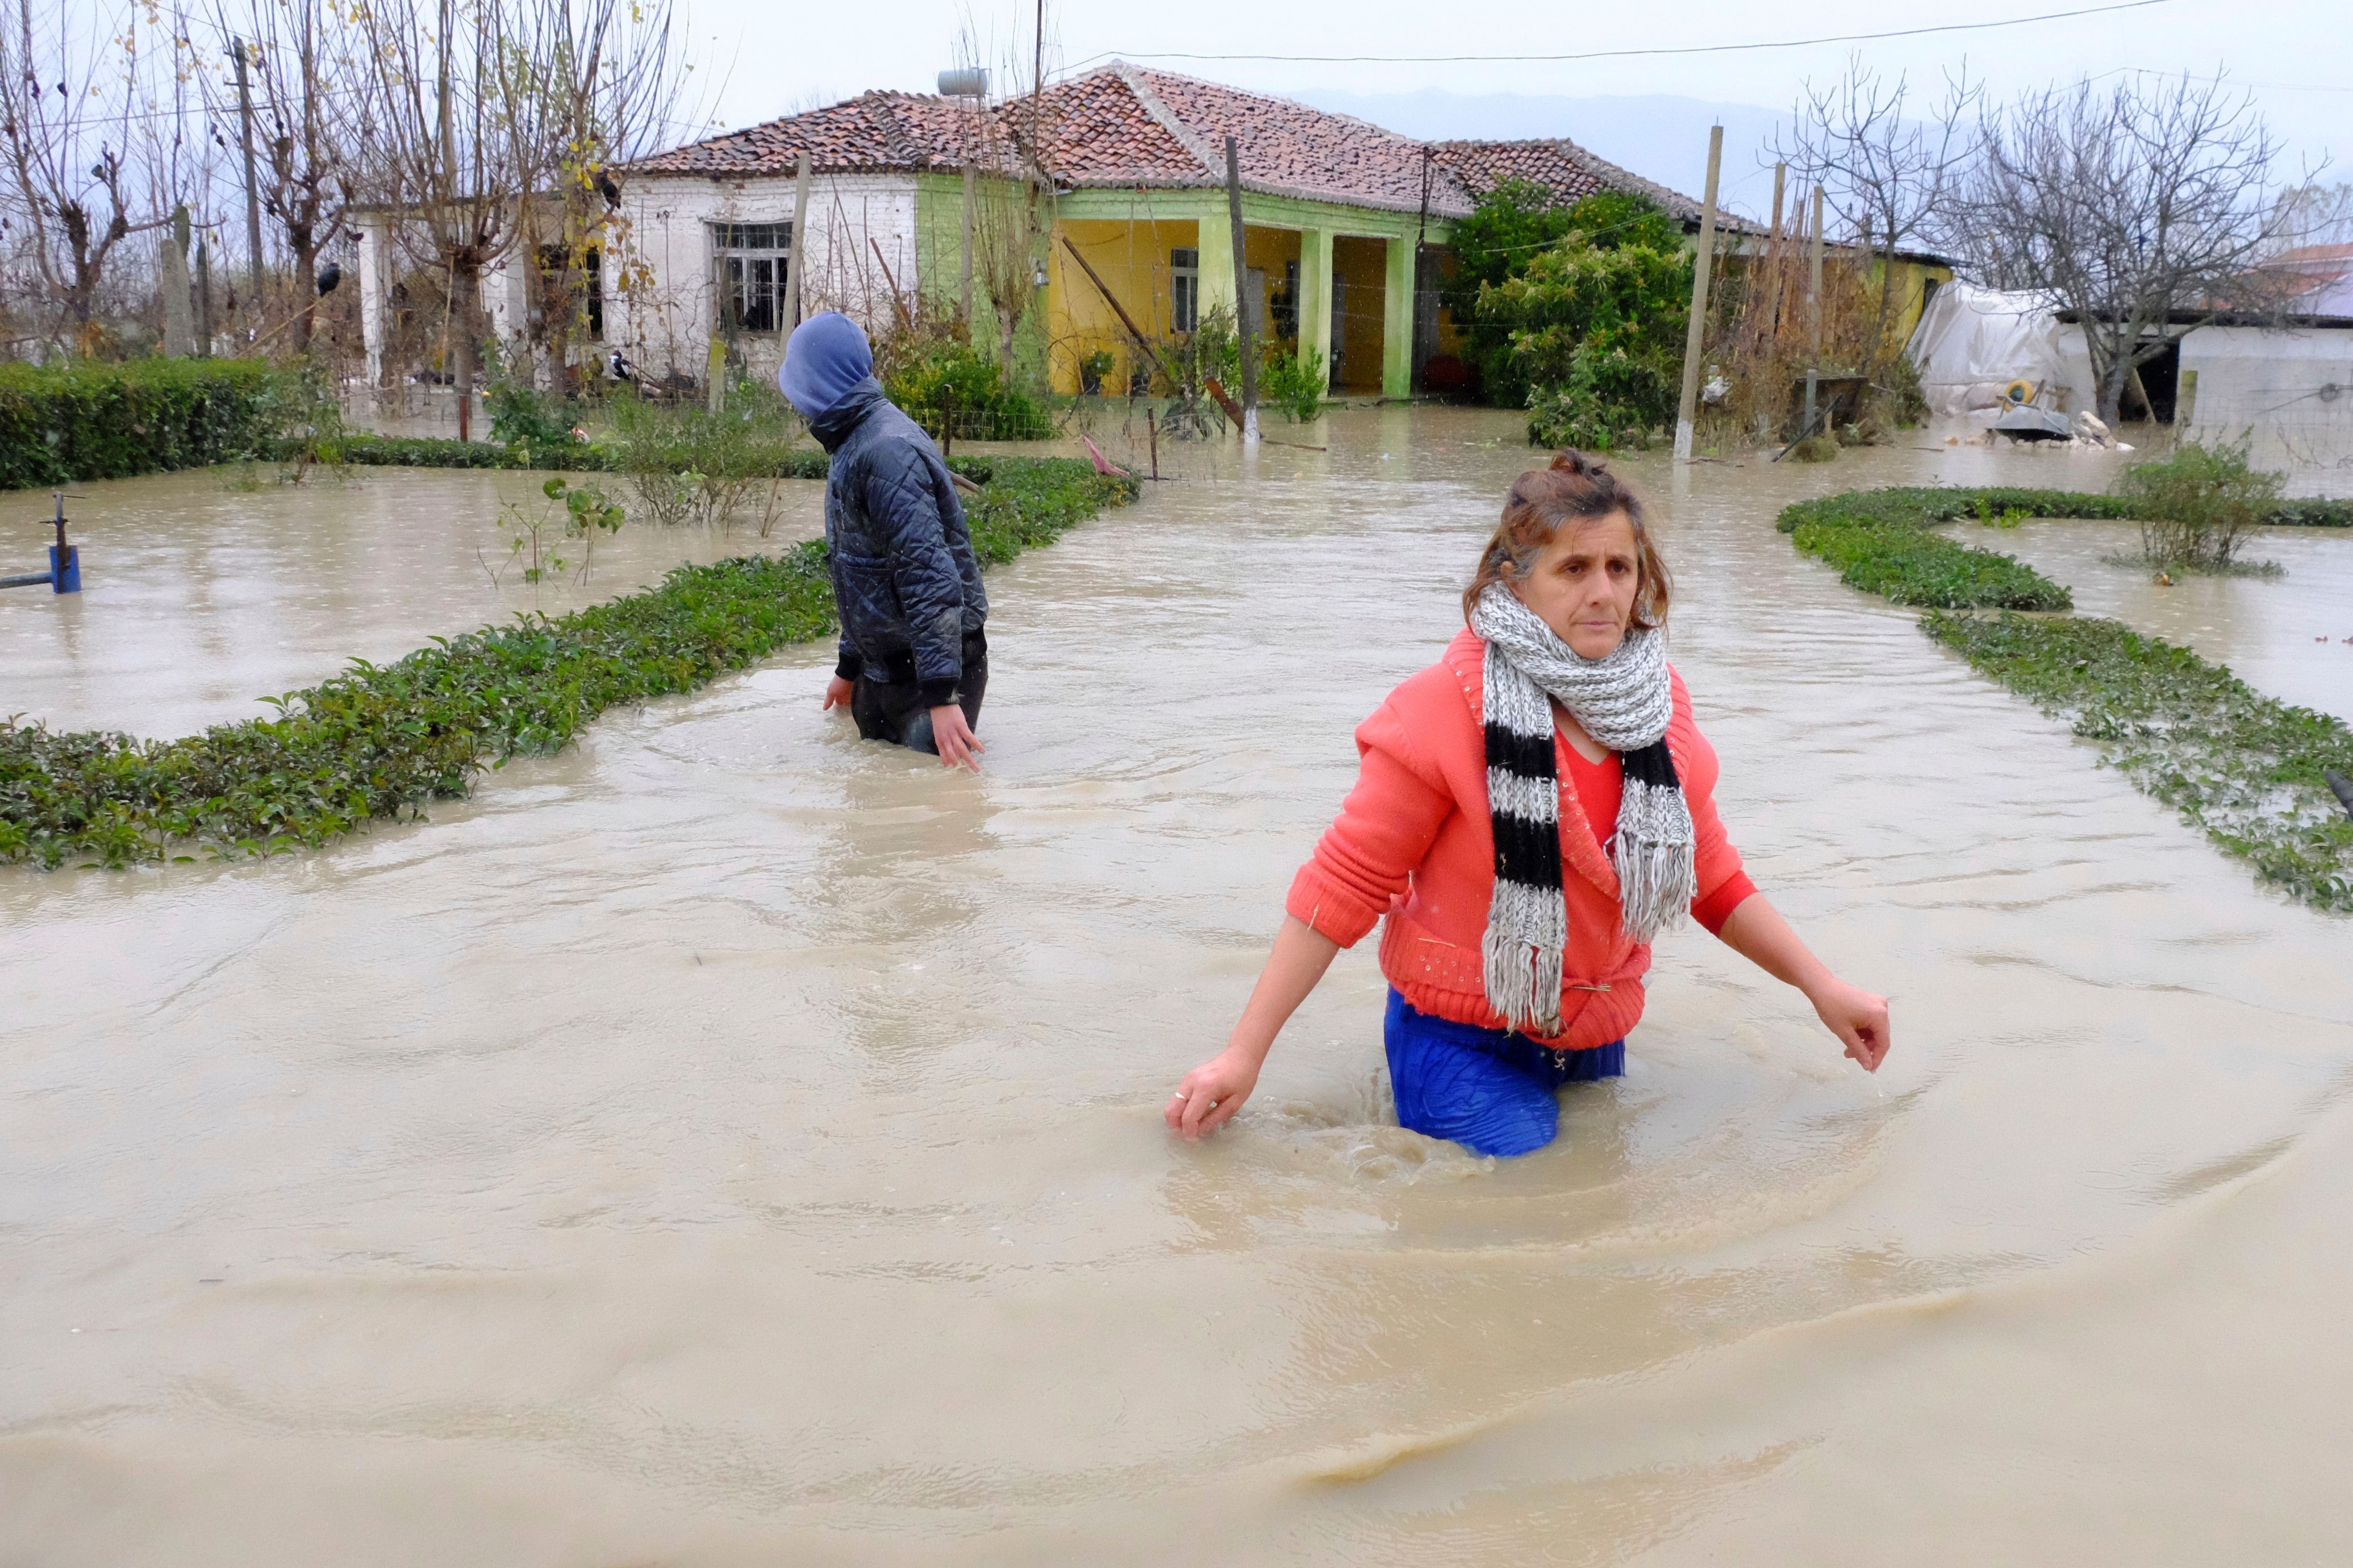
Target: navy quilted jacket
{"type": "Point", "coordinates": [903, 573]}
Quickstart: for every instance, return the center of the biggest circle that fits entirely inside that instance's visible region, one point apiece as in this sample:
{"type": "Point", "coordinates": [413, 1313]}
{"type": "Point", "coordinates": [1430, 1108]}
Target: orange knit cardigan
{"type": "Point", "coordinates": [1416, 825]}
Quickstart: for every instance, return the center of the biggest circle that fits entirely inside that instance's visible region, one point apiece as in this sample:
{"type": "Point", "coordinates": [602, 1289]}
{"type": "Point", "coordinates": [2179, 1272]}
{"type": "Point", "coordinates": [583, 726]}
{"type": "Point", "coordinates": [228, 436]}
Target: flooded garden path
{"type": "Point", "coordinates": [728, 1142]}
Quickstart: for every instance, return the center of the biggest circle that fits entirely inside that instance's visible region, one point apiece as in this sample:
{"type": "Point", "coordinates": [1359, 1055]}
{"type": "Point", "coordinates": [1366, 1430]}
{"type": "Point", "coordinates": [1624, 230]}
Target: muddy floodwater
{"type": "Point", "coordinates": [728, 1142]}
{"type": "Point", "coordinates": [203, 592]}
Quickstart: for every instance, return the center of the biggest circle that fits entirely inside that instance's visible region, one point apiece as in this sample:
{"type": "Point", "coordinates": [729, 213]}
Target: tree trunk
{"type": "Point", "coordinates": [464, 288]}
{"type": "Point", "coordinates": [306, 288]}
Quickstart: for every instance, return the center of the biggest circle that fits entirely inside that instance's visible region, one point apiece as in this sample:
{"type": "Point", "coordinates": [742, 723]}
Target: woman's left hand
{"type": "Point", "coordinates": [1856, 1016]}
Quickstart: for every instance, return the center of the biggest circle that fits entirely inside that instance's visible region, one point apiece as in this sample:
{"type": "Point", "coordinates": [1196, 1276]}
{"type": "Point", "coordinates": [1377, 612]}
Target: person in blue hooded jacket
{"type": "Point", "coordinates": [914, 659]}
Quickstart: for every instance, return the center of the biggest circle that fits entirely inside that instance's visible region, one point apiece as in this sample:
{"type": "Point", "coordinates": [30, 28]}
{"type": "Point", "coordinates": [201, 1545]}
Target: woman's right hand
{"type": "Point", "coordinates": [1213, 1091]}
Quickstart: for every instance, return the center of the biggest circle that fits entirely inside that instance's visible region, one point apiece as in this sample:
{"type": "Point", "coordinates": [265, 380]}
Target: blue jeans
{"type": "Point", "coordinates": [1490, 1090]}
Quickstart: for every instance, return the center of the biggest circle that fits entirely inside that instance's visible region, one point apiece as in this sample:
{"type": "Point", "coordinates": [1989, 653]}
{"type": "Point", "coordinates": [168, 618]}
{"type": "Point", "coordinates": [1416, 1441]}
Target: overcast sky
{"type": "Point", "coordinates": [756, 58]}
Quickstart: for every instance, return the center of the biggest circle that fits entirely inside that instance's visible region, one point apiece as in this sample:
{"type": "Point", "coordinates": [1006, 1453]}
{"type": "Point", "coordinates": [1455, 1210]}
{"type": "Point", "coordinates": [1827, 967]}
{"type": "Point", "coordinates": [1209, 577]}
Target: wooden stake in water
{"type": "Point", "coordinates": [1687, 407]}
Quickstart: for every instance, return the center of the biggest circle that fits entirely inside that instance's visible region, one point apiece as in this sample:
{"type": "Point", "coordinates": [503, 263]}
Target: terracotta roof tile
{"type": "Point", "coordinates": [1122, 126]}
{"type": "Point", "coordinates": [1567, 170]}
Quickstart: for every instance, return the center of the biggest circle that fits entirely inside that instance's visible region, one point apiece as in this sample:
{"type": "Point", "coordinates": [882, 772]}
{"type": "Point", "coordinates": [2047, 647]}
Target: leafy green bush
{"type": "Point", "coordinates": [1596, 329]}
{"type": "Point", "coordinates": [2197, 505]}
{"type": "Point", "coordinates": [1515, 222]}
{"type": "Point", "coordinates": [2243, 767]}
{"type": "Point", "coordinates": [64, 423]}
{"type": "Point", "coordinates": [948, 388]}
{"type": "Point", "coordinates": [1296, 384]}
{"type": "Point", "coordinates": [1908, 566]}
{"type": "Point", "coordinates": [381, 739]}
{"type": "Point", "coordinates": [521, 415]}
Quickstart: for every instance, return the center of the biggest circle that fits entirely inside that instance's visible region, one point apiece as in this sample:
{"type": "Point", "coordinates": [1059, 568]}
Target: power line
{"type": "Point", "coordinates": [1619, 54]}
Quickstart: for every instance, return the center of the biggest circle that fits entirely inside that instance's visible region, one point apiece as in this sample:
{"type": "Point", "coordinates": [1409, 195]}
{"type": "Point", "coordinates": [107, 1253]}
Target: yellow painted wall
{"type": "Point", "coordinates": [1273, 250]}
{"type": "Point", "coordinates": [1360, 275]}
{"type": "Point", "coordinates": [1132, 259]}
{"type": "Point", "coordinates": [1910, 278]}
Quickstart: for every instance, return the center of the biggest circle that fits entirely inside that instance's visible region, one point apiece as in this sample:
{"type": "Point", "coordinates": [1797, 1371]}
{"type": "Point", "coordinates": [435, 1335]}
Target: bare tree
{"type": "Point", "coordinates": [2141, 209]}
{"type": "Point", "coordinates": [475, 112]}
{"type": "Point", "coordinates": [65, 123]}
{"type": "Point", "coordinates": [1886, 160]}
{"type": "Point", "coordinates": [1003, 144]}
{"type": "Point", "coordinates": [299, 58]}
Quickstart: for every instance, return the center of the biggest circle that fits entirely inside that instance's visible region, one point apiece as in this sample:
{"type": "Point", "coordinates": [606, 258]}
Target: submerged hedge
{"type": "Point", "coordinates": [379, 739]}
{"type": "Point", "coordinates": [62, 424]}
{"type": "Point", "coordinates": [2244, 768]}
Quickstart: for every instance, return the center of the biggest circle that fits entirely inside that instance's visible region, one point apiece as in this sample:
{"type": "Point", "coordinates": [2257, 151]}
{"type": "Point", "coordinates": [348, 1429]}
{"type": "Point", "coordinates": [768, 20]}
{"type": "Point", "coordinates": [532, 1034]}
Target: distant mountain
{"type": "Point", "coordinates": [1660, 137]}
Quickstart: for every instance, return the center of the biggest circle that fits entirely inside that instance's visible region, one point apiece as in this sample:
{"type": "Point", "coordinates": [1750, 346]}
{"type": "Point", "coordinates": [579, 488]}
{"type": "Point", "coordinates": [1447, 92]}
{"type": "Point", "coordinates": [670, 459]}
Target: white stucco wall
{"type": "Point", "coordinates": [665, 324]}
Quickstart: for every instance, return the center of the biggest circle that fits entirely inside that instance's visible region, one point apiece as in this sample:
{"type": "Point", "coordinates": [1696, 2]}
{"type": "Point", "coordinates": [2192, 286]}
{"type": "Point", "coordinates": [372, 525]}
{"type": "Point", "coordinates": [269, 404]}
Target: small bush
{"type": "Point", "coordinates": [1296, 384]}
{"type": "Point", "coordinates": [2197, 507]}
{"type": "Point", "coordinates": [522, 416]}
{"type": "Point", "coordinates": [950, 390]}
{"type": "Point", "coordinates": [1816, 449]}
{"type": "Point", "coordinates": [690, 465]}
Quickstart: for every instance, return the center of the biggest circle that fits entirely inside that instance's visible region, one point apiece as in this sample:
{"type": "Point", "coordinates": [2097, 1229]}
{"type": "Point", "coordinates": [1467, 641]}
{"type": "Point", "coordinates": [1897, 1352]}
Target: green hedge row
{"type": "Point", "coordinates": [2242, 766]}
{"type": "Point", "coordinates": [1923, 506]}
{"type": "Point", "coordinates": [1910, 566]}
{"type": "Point", "coordinates": [63, 424]}
{"type": "Point", "coordinates": [379, 739]}
{"type": "Point", "coordinates": [441, 452]}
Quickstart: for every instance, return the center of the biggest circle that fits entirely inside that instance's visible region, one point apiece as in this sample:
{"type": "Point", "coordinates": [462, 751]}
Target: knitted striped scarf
{"type": "Point", "coordinates": [1624, 701]}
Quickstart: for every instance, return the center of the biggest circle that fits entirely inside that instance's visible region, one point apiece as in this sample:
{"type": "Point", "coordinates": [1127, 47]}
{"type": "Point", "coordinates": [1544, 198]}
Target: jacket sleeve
{"type": "Point", "coordinates": [1368, 857]}
{"type": "Point", "coordinates": [901, 502]}
{"type": "Point", "coordinates": [1717, 871]}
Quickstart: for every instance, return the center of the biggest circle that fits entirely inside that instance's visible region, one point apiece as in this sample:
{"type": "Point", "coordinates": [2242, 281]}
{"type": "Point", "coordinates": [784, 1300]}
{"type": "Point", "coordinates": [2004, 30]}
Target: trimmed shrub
{"type": "Point", "coordinates": [66, 423]}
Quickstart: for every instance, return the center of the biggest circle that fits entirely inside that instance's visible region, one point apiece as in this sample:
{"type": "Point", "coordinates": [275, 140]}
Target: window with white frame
{"type": "Point", "coordinates": [1184, 290]}
{"type": "Point", "coordinates": [752, 258]}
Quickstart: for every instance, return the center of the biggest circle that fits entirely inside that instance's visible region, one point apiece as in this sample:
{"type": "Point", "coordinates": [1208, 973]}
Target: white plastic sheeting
{"type": "Point", "coordinates": [1971, 343]}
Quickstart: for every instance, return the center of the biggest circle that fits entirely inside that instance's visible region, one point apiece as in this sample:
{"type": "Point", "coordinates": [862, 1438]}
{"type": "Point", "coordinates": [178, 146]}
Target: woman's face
{"type": "Point", "coordinates": [1583, 584]}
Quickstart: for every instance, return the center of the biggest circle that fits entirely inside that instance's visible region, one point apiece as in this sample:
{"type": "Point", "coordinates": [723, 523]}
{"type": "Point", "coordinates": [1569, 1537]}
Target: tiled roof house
{"type": "Point", "coordinates": [1337, 213]}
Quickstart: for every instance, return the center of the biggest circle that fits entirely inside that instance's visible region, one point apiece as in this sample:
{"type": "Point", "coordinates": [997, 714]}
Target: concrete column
{"type": "Point", "coordinates": [1315, 298]}
{"type": "Point", "coordinates": [1397, 321]}
{"type": "Point", "coordinates": [1218, 285]}
{"type": "Point", "coordinates": [376, 292]}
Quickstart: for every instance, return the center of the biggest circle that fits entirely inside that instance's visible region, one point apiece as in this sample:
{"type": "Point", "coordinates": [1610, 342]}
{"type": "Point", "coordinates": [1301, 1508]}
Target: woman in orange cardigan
{"type": "Point", "coordinates": [1531, 810]}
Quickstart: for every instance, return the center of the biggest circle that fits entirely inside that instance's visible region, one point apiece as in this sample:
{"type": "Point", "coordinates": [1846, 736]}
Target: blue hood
{"type": "Point", "coordinates": [826, 356]}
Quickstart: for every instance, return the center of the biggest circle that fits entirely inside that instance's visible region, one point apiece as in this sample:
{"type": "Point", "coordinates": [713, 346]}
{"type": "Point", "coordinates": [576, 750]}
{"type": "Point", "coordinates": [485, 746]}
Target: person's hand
{"type": "Point", "coordinates": [1857, 1017]}
{"type": "Point", "coordinates": [837, 693]}
{"type": "Point", "coordinates": [1212, 1092]}
{"type": "Point", "coordinates": [959, 747]}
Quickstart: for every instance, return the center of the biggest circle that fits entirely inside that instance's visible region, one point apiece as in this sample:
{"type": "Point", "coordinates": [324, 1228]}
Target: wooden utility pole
{"type": "Point", "coordinates": [252, 186]}
{"type": "Point", "coordinates": [1687, 407]}
{"type": "Point", "coordinates": [1813, 315]}
{"type": "Point", "coordinates": [795, 274]}
{"type": "Point", "coordinates": [1243, 322]}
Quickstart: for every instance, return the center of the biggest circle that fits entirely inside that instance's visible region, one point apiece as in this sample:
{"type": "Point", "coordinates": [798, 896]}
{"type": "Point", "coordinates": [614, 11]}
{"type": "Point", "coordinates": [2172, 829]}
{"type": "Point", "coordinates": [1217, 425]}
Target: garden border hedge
{"type": "Point", "coordinates": [378, 738]}
{"type": "Point", "coordinates": [2244, 768]}
{"type": "Point", "coordinates": [62, 424]}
